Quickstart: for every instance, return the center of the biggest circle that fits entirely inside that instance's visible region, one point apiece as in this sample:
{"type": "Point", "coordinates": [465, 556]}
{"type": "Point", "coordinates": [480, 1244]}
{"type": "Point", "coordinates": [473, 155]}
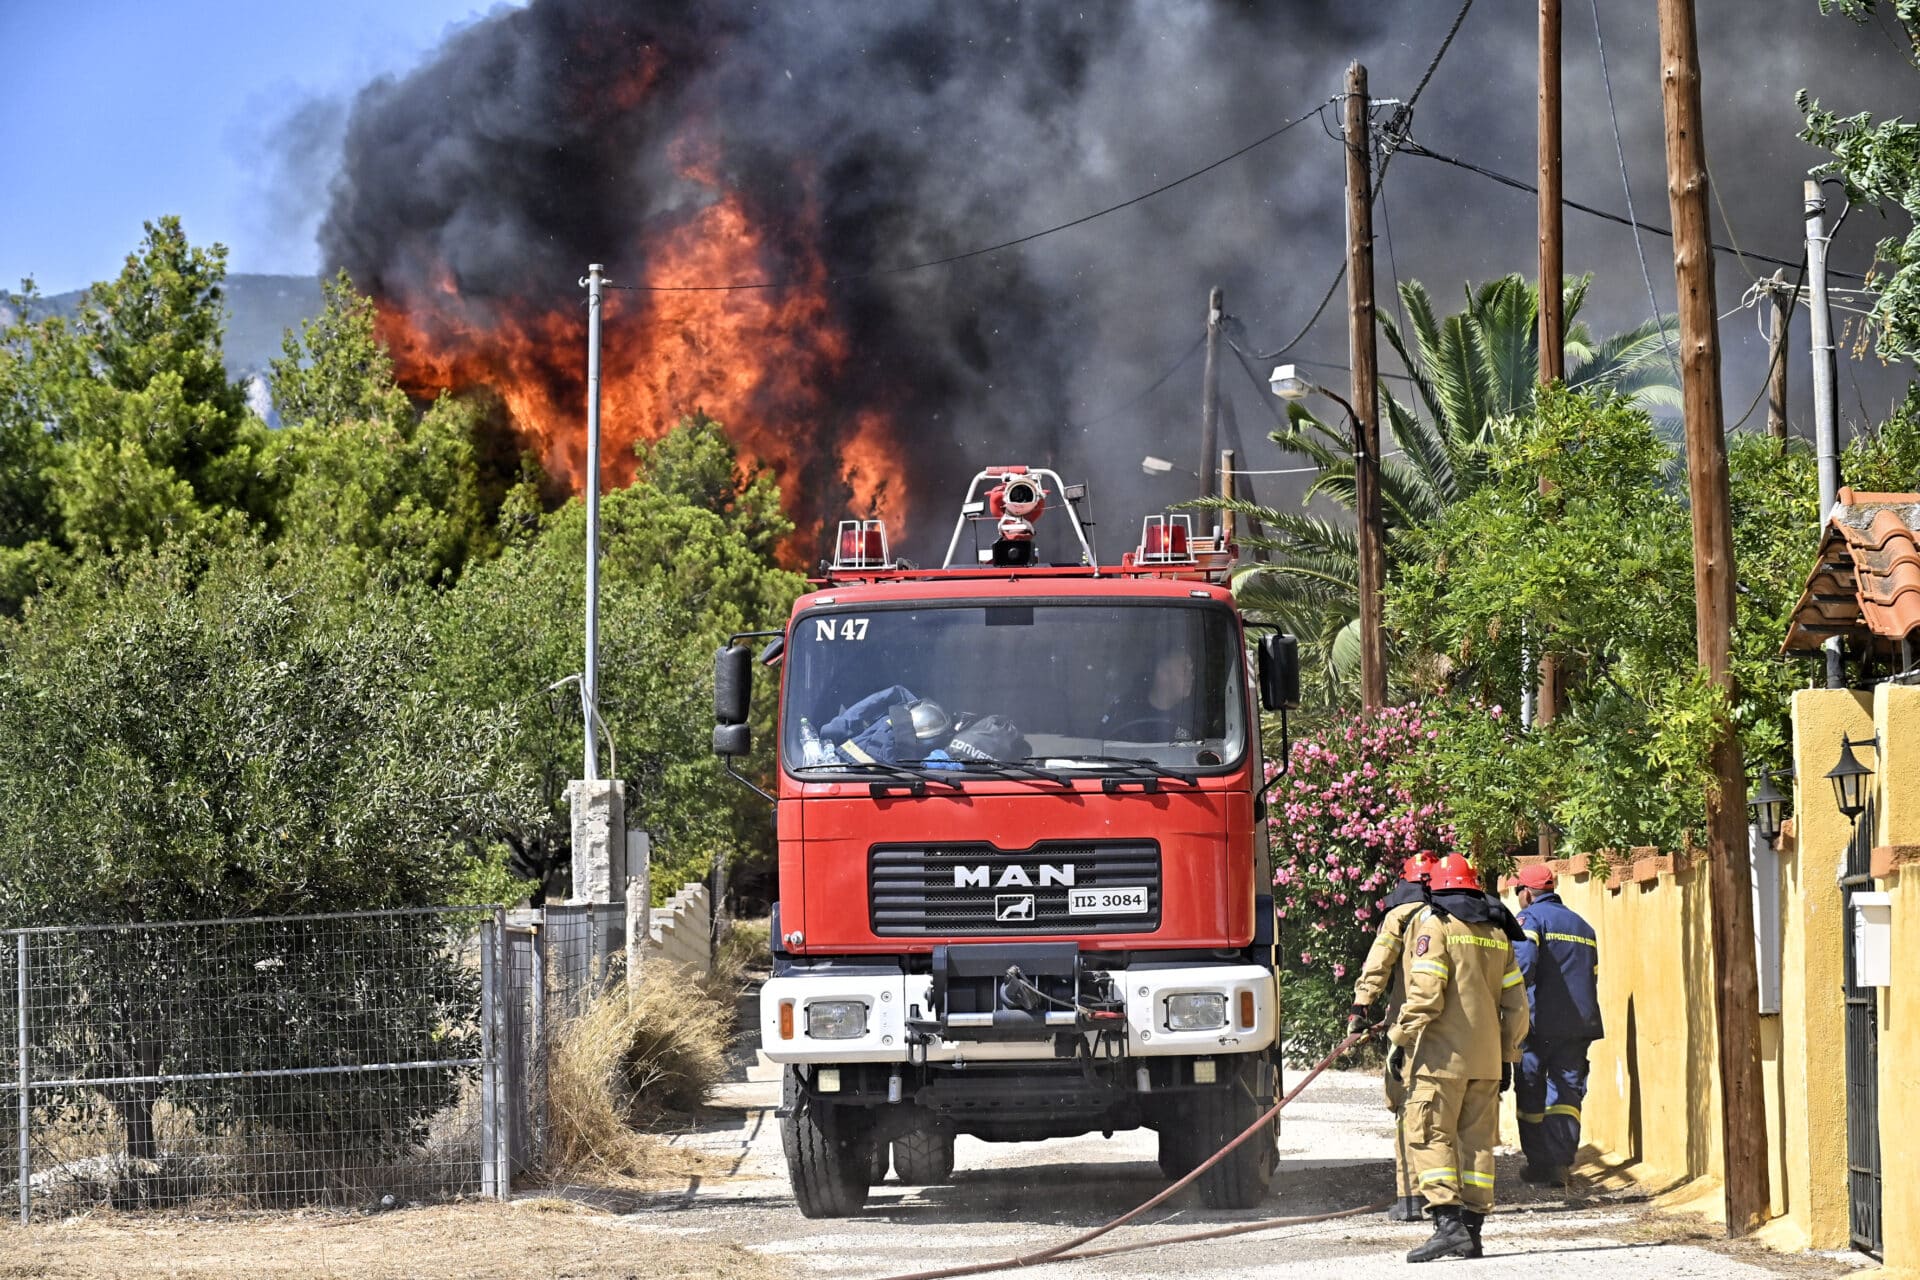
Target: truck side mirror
{"type": "Point", "coordinates": [732, 739]}
{"type": "Point", "coordinates": [1279, 672]}
{"type": "Point", "coordinates": [732, 686]}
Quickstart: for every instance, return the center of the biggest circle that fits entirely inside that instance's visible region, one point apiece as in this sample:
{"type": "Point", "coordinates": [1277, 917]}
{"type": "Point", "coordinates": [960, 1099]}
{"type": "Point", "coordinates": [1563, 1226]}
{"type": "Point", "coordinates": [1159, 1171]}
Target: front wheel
{"type": "Point", "coordinates": [829, 1152]}
{"type": "Point", "coordinates": [1177, 1158]}
{"type": "Point", "coordinates": [1241, 1178]}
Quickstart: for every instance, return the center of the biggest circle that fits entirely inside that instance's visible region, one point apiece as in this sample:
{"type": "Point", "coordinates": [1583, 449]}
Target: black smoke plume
{"type": "Point", "coordinates": [862, 137]}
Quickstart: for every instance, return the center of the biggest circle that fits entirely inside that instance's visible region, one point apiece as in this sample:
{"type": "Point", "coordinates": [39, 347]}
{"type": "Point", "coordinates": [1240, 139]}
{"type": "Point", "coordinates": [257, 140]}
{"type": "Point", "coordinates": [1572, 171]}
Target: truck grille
{"type": "Point", "coordinates": [911, 889]}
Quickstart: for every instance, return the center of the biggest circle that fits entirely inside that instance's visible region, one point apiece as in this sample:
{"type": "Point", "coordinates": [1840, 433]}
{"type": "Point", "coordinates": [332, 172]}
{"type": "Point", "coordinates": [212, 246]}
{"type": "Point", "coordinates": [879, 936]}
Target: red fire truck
{"type": "Point", "coordinates": [1023, 877]}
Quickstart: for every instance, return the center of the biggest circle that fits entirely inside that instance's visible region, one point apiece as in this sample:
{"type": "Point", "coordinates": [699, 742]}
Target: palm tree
{"type": "Point", "coordinates": [1471, 375]}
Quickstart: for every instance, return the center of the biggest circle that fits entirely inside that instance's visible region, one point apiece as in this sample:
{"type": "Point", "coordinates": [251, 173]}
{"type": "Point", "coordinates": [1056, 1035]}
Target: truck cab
{"type": "Point", "coordinates": [1023, 881]}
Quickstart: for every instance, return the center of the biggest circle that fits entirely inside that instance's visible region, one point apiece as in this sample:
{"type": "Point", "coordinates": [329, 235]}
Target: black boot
{"type": "Point", "coordinates": [1474, 1221]}
{"type": "Point", "coordinates": [1406, 1209]}
{"type": "Point", "coordinates": [1450, 1238]}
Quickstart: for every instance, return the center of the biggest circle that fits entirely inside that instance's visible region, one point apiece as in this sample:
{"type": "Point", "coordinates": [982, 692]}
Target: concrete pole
{"type": "Point", "coordinates": [590, 677]}
{"type": "Point", "coordinates": [1364, 357]}
{"type": "Point", "coordinates": [1210, 393]}
{"type": "Point", "coordinates": [1743, 1117]}
{"type": "Point", "coordinates": [1826, 427]}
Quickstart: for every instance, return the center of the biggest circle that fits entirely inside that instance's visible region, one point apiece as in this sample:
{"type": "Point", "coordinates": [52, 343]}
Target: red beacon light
{"type": "Point", "coordinates": [1166, 540]}
{"type": "Point", "coordinates": [861, 544]}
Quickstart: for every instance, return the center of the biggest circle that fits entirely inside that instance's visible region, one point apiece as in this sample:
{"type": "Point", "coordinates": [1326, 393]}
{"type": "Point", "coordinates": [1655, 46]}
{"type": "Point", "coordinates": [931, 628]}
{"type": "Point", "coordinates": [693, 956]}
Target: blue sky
{"type": "Point", "coordinates": [113, 112]}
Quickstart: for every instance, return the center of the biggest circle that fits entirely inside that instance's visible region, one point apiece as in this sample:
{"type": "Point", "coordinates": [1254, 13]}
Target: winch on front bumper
{"type": "Point", "coordinates": [1015, 1001]}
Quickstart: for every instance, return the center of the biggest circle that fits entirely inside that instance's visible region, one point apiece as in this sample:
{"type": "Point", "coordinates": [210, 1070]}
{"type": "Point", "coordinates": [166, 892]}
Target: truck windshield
{"type": "Point", "coordinates": [1058, 684]}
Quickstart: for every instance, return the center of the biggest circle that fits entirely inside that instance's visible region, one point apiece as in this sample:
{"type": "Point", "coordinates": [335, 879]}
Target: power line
{"type": "Point", "coordinates": [1016, 241]}
{"type": "Point", "coordinates": [1394, 135]}
{"type": "Point", "coordinates": [1418, 149]}
{"type": "Point", "coordinates": [1145, 391]}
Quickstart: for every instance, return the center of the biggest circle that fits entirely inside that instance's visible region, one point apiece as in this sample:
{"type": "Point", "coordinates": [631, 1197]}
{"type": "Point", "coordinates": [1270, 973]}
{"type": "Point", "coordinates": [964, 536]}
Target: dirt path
{"type": "Point", "coordinates": [739, 1222]}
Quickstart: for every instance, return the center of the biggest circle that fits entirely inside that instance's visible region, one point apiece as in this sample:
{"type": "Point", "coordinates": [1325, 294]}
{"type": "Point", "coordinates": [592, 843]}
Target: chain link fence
{"type": "Point", "coordinates": [558, 957]}
{"type": "Point", "coordinates": [352, 1059]}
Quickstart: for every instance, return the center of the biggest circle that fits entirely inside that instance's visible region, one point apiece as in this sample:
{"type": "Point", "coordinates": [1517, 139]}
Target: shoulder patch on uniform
{"type": "Point", "coordinates": [1420, 945]}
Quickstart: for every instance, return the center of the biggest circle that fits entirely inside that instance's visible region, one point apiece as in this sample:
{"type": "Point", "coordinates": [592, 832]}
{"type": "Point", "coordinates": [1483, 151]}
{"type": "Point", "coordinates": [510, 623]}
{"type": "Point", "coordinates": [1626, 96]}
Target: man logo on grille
{"type": "Point", "coordinates": [1013, 906]}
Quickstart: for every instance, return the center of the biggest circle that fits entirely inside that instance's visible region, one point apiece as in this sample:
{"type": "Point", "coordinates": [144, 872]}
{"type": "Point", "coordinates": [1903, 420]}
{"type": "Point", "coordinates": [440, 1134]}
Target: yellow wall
{"type": "Point", "coordinates": [1897, 720]}
{"type": "Point", "coordinates": [1808, 1138]}
{"type": "Point", "coordinates": [1652, 1107]}
{"type": "Point", "coordinates": [1652, 1096]}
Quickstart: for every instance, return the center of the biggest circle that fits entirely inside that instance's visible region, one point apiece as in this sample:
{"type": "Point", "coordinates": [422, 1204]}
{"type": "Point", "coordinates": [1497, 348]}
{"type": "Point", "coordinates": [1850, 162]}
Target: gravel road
{"type": "Point", "coordinates": [1007, 1199]}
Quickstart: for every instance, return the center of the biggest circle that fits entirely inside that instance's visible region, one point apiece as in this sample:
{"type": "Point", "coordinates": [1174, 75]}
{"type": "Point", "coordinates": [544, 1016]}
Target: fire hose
{"type": "Point", "coordinates": [1072, 1250]}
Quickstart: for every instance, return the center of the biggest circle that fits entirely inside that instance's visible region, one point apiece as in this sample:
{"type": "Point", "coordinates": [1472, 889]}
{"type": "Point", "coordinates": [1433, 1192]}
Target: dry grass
{"type": "Point", "coordinates": [744, 947]}
{"type": "Point", "coordinates": [475, 1241]}
{"type": "Point", "coordinates": [628, 1063]}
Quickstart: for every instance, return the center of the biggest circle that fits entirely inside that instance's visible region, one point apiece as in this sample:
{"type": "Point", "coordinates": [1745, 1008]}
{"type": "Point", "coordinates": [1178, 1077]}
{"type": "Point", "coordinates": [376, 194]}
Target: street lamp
{"type": "Point", "coordinates": [1160, 466]}
{"type": "Point", "coordinates": [1768, 805]}
{"type": "Point", "coordinates": [1287, 383]}
{"type": "Point", "coordinates": [1370, 520]}
{"type": "Point", "coordinates": [1849, 777]}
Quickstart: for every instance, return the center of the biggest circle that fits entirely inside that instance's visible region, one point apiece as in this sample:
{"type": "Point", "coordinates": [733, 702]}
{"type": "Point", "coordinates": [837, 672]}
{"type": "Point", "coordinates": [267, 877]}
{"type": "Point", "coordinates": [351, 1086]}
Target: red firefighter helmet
{"type": "Point", "coordinates": [1417, 868]}
{"type": "Point", "coordinates": [1454, 872]}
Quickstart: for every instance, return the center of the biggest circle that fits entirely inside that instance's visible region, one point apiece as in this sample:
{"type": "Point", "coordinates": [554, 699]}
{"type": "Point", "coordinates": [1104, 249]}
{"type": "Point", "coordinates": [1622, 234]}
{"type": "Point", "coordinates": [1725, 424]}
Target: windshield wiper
{"type": "Point", "coordinates": [1136, 767]}
{"type": "Point", "coordinates": [914, 780]}
{"type": "Point", "coordinates": [1001, 768]}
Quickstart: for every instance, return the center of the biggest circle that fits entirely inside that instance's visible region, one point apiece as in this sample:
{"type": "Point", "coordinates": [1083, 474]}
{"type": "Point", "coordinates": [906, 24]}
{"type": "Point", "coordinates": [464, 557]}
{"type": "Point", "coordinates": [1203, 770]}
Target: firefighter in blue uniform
{"type": "Point", "coordinates": [1561, 961]}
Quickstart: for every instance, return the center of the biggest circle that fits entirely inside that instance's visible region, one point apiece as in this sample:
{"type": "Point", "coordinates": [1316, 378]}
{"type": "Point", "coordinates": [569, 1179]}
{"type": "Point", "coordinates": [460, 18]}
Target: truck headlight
{"type": "Point", "coordinates": [1196, 1011]}
{"type": "Point", "coordinates": [837, 1019]}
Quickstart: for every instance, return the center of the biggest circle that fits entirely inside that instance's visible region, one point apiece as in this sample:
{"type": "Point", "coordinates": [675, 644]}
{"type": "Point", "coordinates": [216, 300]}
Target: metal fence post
{"type": "Point", "coordinates": [489, 1070]}
{"type": "Point", "coordinates": [503, 1079]}
{"type": "Point", "coordinates": [537, 1083]}
{"type": "Point", "coordinates": [26, 1109]}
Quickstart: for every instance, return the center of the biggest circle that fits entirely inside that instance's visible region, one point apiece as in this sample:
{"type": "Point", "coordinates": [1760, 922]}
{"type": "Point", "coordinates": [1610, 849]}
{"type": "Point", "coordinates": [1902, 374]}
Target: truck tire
{"type": "Point", "coordinates": [829, 1152]}
{"type": "Point", "coordinates": [1177, 1156]}
{"type": "Point", "coordinates": [923, 1158]}
{"type": "Point", "coordinates": [877, 1166]}
{"type": "Point", "coordinates": [1241, 1179]}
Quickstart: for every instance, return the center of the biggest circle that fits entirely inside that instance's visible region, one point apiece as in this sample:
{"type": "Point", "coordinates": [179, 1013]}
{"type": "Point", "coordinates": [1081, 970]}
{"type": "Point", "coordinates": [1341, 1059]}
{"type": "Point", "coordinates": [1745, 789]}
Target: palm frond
{"type": "Point", "coordinates": [1507, 316]}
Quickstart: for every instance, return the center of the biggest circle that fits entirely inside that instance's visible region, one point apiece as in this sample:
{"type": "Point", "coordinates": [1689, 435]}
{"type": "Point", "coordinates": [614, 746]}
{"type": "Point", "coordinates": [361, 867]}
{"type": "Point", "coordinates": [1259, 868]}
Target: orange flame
{"type": "Point", "coordinates": [760, 361]}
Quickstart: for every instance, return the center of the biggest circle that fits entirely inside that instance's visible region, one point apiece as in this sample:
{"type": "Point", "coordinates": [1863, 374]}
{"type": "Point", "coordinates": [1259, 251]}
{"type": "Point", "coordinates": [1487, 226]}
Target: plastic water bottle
{"type": "Point", "coordinates": [812, 750]}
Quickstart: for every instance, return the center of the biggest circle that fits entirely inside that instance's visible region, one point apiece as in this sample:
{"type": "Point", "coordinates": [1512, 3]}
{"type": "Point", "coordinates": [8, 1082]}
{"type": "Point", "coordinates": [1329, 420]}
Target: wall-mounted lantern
{"type": "Point", "coordinates": [1769, 806]}
{"type": "Point", "coordinates": [1850, 777]}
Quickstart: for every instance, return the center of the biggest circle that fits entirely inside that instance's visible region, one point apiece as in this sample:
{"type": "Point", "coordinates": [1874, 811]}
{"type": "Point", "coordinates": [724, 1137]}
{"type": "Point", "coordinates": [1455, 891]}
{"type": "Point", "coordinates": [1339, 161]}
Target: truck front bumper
{"type": "Point", "coordinates": [898, 1014]}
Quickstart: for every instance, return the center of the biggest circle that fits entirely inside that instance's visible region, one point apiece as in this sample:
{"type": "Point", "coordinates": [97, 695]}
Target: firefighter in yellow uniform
{"type": "Point", "coordinates": [1455, 1041]}
{"type": "Point", "coordinates": [1384, 977]}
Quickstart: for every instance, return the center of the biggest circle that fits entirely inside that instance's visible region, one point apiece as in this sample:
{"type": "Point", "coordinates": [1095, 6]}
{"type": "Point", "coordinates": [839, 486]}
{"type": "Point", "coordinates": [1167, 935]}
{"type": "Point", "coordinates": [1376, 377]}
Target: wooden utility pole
{"type": "Point", "coordinates": [1210, 394]}
{"type": "Point", "coordinates": [1365, 393]}
{"type": "Point", "coordinates": [1781, 295]}
{"type": "Point", "coordinates": [1226, 491]}
{"type": "Point", "coordinates": [1742, 1106]}
{"type": "Point", "coordinates": [1553, 323]}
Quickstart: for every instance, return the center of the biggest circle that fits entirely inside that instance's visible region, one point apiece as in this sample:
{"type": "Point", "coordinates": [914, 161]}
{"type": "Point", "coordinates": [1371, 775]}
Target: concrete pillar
{"type": "Point", "coordinates": [639, 900]}
{"type": "Point", "coordinates": [599, 840]}
{"type": "Point", "coordinates": [1813, 1022]}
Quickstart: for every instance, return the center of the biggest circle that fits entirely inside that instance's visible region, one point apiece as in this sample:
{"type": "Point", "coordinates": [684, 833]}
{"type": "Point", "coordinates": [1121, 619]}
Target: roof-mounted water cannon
{"type": "Point", "coordinates": [861, 544]}
{"type": "Point", "coordinates": [1014, 499]}
{"type": "Point", "coordinates": [1017, 502]}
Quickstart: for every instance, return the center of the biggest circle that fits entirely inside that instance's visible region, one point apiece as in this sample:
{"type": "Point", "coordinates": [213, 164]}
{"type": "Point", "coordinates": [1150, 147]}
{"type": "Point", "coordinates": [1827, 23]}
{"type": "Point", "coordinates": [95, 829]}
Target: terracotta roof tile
{"type": "Point", "coordinates": [1866, 584]}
